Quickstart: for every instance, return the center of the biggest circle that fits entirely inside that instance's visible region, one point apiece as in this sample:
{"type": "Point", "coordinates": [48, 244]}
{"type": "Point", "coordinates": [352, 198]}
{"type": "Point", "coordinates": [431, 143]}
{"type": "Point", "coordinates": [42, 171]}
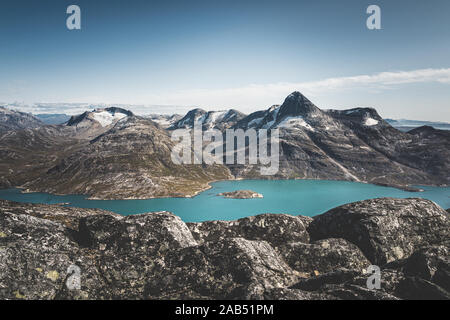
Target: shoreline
{"type": "Point", "coordinates": [406, 188]}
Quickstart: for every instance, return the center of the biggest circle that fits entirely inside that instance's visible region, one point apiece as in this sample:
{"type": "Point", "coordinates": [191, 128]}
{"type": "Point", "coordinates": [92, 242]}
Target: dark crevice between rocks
{"type": "Point", "coordinates": [314, 284]}
{"type": "Point", "coordinates": [415, 288]}
{"type": "Point", "coordinates": [83, 236]}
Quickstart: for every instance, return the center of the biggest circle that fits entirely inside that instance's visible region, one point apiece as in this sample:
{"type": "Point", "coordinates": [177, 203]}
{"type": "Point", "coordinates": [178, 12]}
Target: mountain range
{"type": "Point", "coordinates": [111, 153]}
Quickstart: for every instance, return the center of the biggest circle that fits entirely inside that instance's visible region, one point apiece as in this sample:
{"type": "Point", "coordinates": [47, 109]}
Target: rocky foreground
{"type": "Point", "coordinates": [269, 256]}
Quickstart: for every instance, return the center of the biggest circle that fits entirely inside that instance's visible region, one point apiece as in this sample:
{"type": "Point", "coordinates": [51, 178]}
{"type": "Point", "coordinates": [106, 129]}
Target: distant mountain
{"type": "Point", "coordinates": [130, 160]}
{"type": "Point", "coordinates": [93, 123]}
{"type": "Point", "coordinates": [53, 118]}
{"type": "Point", "coordinates": [103, 117]}
{"type": "Point", "coordinates": [296, 112]}
{"type": "Point", "coordinates": [406, 125]}
{"type": "Point", "coordinates": [355, 144]}
{"type": "Point", "coordinates": [16, 120]}
{"type": "Point", "coordinates": [112, 153]}
{"type": "Point", "coordinates": [165, 121]}
{"type": "Point", "coordinates": [209, 119]}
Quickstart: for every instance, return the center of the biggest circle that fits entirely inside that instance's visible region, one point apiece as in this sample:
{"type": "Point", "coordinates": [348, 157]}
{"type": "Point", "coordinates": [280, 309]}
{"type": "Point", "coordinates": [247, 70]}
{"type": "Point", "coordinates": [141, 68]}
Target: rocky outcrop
{"type": "Point", "coordinates": [226, 269]}
{"type": "Point", "coordinates": [270, 256]}
{"type": "Point", "coordinates": [241, 194]}
{"type": "Point", "coordinates": [277, 229]}
{"type": "Point", "coordinates": [207, 120]}
{"type": "Point", "coordinates": [324, 256]}
{"type": "Point", "coordinates": [385, 229]}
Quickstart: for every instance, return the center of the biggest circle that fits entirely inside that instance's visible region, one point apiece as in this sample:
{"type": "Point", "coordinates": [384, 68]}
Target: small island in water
{"type": "Point", "coordinates": [241, 194]}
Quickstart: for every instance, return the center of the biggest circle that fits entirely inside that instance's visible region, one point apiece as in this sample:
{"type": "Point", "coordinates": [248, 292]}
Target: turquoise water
{"type": "Point", "coordinates": [305, 197]}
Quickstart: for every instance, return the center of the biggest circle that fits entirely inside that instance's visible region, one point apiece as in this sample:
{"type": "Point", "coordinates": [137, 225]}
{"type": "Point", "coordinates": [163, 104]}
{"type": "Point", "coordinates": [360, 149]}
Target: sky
{"type": "Point", "coordinates": [242, 54]}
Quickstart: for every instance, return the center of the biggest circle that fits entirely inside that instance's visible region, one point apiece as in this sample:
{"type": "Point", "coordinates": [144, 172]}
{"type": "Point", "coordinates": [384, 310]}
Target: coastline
{"type": "Point", "coordinates": [407, 188]}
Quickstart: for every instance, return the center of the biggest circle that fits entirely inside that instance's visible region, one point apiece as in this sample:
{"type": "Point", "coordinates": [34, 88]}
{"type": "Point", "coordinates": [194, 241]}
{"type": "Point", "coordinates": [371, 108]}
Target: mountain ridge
{"type": "Point", "coordinates": [110, 152]}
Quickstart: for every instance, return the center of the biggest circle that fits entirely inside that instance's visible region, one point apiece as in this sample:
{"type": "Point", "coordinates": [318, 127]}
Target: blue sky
{"type": "Point", "coordinates": [220, 54]}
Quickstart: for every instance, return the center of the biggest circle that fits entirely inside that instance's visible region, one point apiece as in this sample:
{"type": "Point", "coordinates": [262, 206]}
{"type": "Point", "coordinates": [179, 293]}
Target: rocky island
{"type": "Point", "coordinates": [241, 194]}
{"type": "Point", "coordinates": [269, 256]}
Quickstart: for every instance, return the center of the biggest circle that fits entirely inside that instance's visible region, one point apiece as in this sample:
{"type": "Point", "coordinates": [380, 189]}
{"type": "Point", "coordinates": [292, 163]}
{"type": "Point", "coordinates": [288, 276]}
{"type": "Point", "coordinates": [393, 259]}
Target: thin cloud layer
{"type": "Point", "coordinates": [252, 97]}
{"type": "Point", "coordinates": [262, 95]}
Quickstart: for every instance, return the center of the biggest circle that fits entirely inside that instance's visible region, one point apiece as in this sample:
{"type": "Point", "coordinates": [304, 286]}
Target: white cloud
{"type": "Point", "coordinates": [263, 95]}
{"type": "Point", "coordinates": [255, 96]}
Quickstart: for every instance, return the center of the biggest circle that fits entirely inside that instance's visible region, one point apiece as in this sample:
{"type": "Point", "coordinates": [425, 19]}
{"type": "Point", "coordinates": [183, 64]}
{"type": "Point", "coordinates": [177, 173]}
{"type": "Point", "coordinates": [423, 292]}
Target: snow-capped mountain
{"type": "Point", "coordinates": [103, 117]}
{"type": "Point", "coordinates": [296, 112]}
{"type": "Point", "coordinates": [110, 152]}
{"type": "Point", "coordinates": [209, 119]}
{"type": "Point", "coordinates": [93, 123]}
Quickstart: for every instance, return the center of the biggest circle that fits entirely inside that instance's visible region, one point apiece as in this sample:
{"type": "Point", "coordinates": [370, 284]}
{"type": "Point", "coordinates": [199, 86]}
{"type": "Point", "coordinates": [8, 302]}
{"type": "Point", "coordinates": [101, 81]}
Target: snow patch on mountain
{"type": "Point", "coordinates": [106, 118]}
{"type": "Point", "coordinates": [295, 122]}
{"type": "Point", "coordinates": [274, 112]}
{"type": "Point", "coordinates": [214, 117]}
{"type": "Point", "coordinates": [370, 122]}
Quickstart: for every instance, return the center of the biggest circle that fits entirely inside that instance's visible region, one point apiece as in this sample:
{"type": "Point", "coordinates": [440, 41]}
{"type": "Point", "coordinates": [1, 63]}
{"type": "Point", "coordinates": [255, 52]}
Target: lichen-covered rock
{"type": "Point", "coordinates": [425, 262]}
{"type": "Point", "coordinates": [345, 284]}
{"type": "Point", "coordinates": [149, 233]}
{"type": "Point", "coordinates": [158, 256]}
{"type": "Point", "coordinates": [385, 229]}
{"type": "Point", "coordinates": [66, 216]}
{"type": "Point", "coordinates": [291, 294]}
{"type": "Point", "coordinates": [276, 229]}
{"type": "Point", "coordinates": [323, 256]}
{"type": "Point", "coordinates": [232, 269]}
{"type": "Point", "coordinates": [35, 256]}
{"type": "Point", "coordinates": [141, 242]}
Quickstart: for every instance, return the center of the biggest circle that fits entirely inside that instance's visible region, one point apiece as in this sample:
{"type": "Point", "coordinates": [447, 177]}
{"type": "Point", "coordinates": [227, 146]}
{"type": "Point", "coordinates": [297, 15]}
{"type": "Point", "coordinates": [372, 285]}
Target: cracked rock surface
{"type": "Point", "coordinates": [269, 256]}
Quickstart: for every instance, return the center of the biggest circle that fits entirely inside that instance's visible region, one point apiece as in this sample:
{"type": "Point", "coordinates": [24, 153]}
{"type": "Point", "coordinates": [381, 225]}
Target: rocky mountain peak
{"type": "Point", "coordinates": [209, 119]}
{"type": "Point", "coordinates": [104, 116]}
{"type": "Point", "coordinates": [296, 104]}
{"type": "Point", "coordinates": [366, 116]}
{"type": "Point", "coordinates": [189, 119]}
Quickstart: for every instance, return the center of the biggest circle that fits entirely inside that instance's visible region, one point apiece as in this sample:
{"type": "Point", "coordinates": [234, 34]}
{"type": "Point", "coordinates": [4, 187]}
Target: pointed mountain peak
{"type": "Point", "coordinates": [296, 95]}
{"type": "Point", "coordinates": [296, 104]}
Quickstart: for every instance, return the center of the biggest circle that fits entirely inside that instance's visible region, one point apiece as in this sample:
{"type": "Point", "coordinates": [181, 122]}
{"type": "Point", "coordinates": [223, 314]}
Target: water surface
{"type": "Point", "coordinates": [304, 197]}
